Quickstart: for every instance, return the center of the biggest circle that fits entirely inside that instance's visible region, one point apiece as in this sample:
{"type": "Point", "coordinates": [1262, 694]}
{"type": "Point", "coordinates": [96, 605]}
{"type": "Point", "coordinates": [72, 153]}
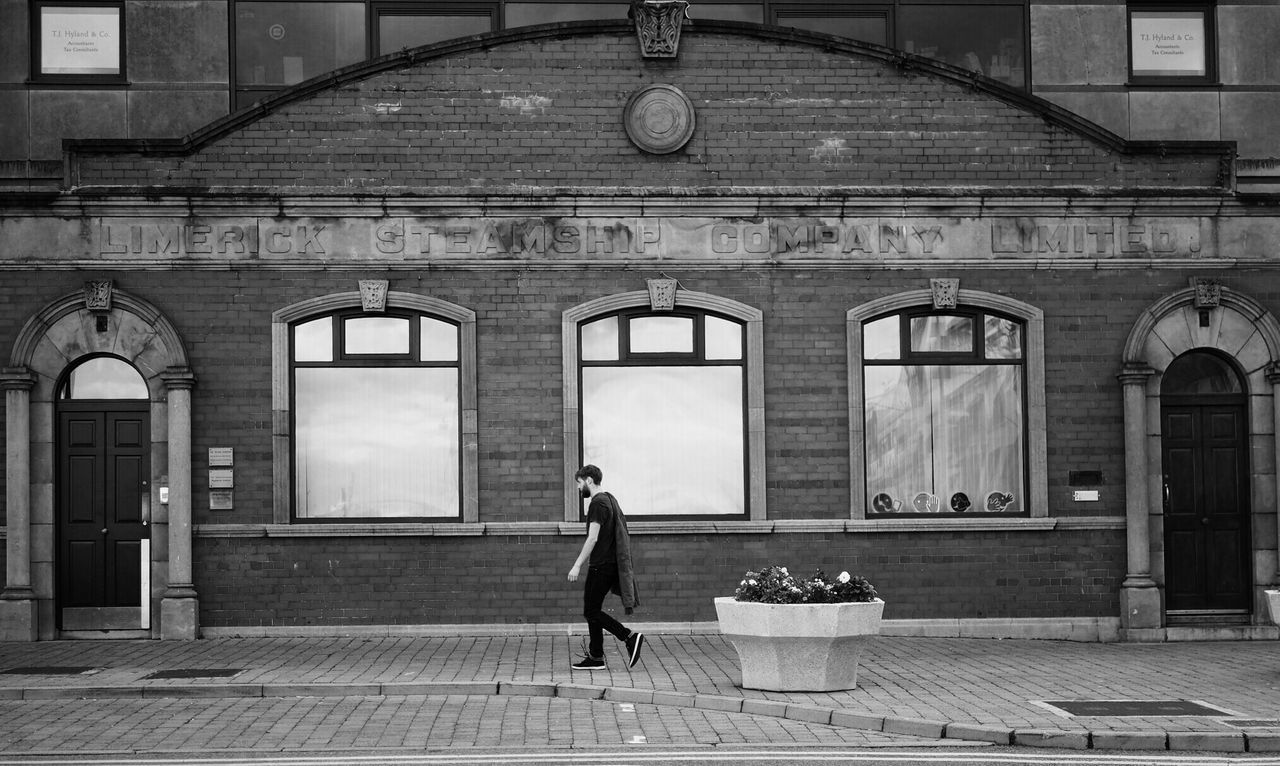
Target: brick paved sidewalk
{"type": "Point", "coordinates": [966, 689]}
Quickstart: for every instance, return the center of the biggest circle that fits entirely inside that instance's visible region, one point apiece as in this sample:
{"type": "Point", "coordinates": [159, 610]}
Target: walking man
{"type": "Point", "coordinates": [607, 554]}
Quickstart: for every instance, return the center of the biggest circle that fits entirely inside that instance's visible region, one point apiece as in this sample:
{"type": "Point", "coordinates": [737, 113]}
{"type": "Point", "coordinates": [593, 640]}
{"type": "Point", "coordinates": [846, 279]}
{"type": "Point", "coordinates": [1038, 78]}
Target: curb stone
{"type": "Point", "coordinates": [1265, 742]}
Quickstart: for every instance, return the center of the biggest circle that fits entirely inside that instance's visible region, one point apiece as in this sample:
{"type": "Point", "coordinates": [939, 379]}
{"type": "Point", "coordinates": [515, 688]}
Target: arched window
{"type": "Point", "coordinates": [663, 409]}
{"type": "Point", "coordinates": [103, 377]}
{"type": "Point", "coordinates": [947, 414]}
{"type": "Point", "coordinates": [376, 416]}
{"type": "Point", "coordinates": [945, 431]}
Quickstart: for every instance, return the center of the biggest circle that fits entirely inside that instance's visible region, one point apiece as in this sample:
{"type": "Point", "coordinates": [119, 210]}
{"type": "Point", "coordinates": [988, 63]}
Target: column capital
{"type": "Point", "coordinates": [1135, 375]}
{"type": "Point", "coordinates": [17, 379]}
{"type": "Point", "coordinates": [178, 378]}
{"type": "Point", "coordinates": [1273, 373]}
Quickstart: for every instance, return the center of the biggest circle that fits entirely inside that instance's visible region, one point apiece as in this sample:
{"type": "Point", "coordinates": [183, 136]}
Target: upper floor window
{"type": "Point", "coordinates": [945, 424]}
{"type": "Point", "coordinates": [376, 416]}
{"type": "Point", "coordinates": [664, 411]}
{"type": "Point", "coordinates": [1172, 44]}
{"type": "Point", "coordinates": [78, 42]}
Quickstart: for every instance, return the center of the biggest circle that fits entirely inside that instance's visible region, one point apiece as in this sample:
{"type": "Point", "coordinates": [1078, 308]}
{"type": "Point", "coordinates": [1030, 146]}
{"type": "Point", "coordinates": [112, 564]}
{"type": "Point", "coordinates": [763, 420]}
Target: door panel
{"type": "Point", "coordinates": [102, 485]}
{"type": "Point", "coordinates": [1206, 507]}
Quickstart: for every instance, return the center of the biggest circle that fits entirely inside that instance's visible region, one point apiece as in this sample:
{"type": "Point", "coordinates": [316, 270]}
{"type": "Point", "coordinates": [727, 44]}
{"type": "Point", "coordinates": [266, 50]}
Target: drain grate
{"type": "Point", "coordinates": [1152, 708]}
{"type": "Point", "coordinates": [194, 673]}
{"type": "Point", "coordinates": [50, 670]}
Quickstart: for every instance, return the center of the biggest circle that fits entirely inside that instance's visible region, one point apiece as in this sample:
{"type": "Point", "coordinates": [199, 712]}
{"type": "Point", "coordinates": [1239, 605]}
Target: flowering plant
{"type": "Point", "coordinates": [775, 585]}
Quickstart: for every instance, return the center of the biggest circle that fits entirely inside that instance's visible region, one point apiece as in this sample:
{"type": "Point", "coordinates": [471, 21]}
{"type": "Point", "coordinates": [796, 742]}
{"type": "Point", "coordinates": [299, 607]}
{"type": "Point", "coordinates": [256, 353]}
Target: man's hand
{"type": "Point", "coordinates": [573, 574]}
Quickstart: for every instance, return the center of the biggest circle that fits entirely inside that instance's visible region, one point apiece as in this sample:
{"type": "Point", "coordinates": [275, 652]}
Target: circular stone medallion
{"type": "Point", "coordinates": [659, 119]}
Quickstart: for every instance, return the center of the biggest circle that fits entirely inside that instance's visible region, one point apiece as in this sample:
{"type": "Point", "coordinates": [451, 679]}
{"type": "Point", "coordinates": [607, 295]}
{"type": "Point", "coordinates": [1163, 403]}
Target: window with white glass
{"type": "Point", "coordinates": [944, 413]}
{"type": "Point", "coordinates": [663, 411]}
{"type": "Point", "coordinates": [376, 412]}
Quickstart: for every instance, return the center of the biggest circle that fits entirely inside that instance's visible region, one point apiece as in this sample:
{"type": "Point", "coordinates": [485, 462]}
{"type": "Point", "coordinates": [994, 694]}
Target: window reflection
{"type": "Point", "coordinates": [104, 377]}
{"type": "Point", "coordinates": [670, 439]}
{"type": "Point", "coordinates": [286, 43]}
{"type": "Point", "coordinates": [881, 339]}
{"type": "Point", "coordinates": [376, 335]}
{"type": "Point", "coordinates": [661, 334]}
{"type": "Point", "coordinates": [313, 341]}
{"type": "Point", "coordinates": [942, 333]}
{"type": "Point", "coordinates": [376, 442]}
{"type": "Point", "coordinates": [987, 39]}
{"type": "Point", "coordinates": [409, 30]}
{"type": "Point", "coordinates": [600, 340]}
{"type": "Point", "coordinates": [870, 28]}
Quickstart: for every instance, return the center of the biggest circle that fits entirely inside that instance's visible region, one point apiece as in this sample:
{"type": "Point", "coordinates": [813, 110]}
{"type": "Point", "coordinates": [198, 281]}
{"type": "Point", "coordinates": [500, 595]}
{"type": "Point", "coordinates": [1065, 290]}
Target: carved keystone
{"type": "Point", "coordinates": [658, 25]}
{"type": "Point", "coordinates": [1208, 293]}
{"type": "Point", "coordinates": [97, 295]}
{"type": "Point", "coordinates": [945, 293]}
{"type": "Point", "coordinates": [662, 294]}
{"type": "Point", "coordinates": [373, 294]}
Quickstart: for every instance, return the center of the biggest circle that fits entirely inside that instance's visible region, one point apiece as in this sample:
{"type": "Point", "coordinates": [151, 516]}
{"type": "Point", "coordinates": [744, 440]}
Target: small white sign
{"type": "Point", "coordinates": [80, 40]}
{"type": "Point", "coordinates": [221, 456]}
{"type": "Point", "coordinates": [1085, 495]}
{"type": "Point", "coordinates": [220, 478]}
{"type": "Point", "coordinates": [1168, 43]}
{"type": "Point", "coordinates": [221, 500]}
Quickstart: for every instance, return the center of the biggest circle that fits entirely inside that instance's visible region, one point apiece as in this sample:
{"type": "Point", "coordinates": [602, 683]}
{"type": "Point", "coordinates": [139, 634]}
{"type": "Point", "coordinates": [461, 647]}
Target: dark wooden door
{"type": "Point", "coordinates": [103, 462]}
{"type": "Point", "coordinates": [1206, 507]}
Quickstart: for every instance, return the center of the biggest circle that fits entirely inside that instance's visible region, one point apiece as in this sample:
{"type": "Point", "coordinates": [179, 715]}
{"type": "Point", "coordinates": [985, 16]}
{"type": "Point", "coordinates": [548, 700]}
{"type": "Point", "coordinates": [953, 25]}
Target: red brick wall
{"type": "Point", "coordinates": [773, 108]}
{"type": "Point", "coordinates": [224, 320]}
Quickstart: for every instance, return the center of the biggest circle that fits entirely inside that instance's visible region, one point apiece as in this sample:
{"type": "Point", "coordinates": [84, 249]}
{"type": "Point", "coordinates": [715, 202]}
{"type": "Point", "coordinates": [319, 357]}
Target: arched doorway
{"type": "Point", "coordinates": [1205, 459]}
{"type": "Point", "coordinates": [102, 517]}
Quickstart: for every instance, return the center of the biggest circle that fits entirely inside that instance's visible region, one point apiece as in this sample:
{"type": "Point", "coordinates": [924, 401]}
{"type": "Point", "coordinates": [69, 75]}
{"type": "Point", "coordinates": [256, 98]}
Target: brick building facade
{"type": "Point", "coordinates": [1081, 325]}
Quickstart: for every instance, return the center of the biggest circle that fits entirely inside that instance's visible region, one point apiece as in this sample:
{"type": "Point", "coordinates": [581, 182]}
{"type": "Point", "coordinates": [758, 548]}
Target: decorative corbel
{"type": "Point", "coordinates": [1208, 292]}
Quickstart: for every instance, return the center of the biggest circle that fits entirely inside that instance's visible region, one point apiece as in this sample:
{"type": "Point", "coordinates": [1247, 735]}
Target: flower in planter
{"type": "Point", "coordinates": [775, 585]}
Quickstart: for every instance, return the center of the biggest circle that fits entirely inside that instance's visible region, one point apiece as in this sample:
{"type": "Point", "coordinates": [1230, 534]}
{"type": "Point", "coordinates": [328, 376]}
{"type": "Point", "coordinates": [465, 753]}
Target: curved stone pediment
{"type": "Point", "coordinates": [543, 108]}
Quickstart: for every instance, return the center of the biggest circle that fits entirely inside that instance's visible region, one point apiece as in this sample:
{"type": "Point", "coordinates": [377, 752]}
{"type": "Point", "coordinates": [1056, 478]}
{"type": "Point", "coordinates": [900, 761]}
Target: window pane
{"type": "Point", "coordinates": [376, 335]}
{"type": "Point", "coordinates": [80, 40]}
{"type": "Point", "coordinates": [950, 334]}
{"type": "Point", "coordinates": [1003, 338]}
{"type": "Point", "coordinates": [376, 442]}
{"type": "Point", "coordinates": [439, 341]}
{"type": "Point", "coordinates": [669, 439]}
{"type": "Point", "coordinates": [880, 339]}
{"type": "Point", "coordinates": [313, 341]}
{"type": "Point", "coordinates": [600, 340]}
{"type": "Point", "coordinates": [988, 39]}
{"type": "Point", "coordinates": [724, 338]}
{"type": "Point", "coordinates": [1200, 373]}
{"type": "Point", "coordinates": [286, 43]}
{"type": "Point", "coordinates": [871, 29]}
{"type": "Point", "coordinates": [409, 31]}
{"type": "Point", "coordinates": [729, 12]}
{"type": "Point", "coordinates": [105, 377]}
{"type": "Point", "coordinates": [526, 14]}
{"type": "Point", "coordinates": [1168, 43]}
{"type": "Point", "coordinates": [653, 335]}
{"type": "Point", "coordinates": [944, 438]}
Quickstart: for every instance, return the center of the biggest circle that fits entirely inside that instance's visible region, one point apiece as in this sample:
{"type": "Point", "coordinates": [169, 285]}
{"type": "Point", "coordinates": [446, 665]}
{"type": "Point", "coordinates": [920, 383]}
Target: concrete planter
{"type": "Point", "coordinates": [798, 647]}
{"type": "Point", "coordinates": [1273, 600]}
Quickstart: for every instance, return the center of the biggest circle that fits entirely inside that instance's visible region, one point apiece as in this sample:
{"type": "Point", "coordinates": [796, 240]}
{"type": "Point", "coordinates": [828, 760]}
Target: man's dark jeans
{"type": "Point", "coordinates": [600, 581]}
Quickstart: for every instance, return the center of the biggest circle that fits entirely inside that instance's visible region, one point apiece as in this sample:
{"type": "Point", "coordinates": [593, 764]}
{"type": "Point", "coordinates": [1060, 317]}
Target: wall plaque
{"type": "Point", "coordinates": [221, 478]}
{"type": "Point", "coordinates": [221, 500]}
{"type": "Point", "coordinates": [659, 119]}
{"type": "Point", "coordinates": [221, 456]}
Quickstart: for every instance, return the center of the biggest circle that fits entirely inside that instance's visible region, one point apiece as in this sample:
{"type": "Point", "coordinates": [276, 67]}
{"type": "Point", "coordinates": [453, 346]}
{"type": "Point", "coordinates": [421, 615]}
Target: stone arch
{"type": "Point", "coordinates": [1240, 328]}
{"type": "Point", "coordinates": [52, 340]}
{"type": "Point", "coordinates": [753, 321]}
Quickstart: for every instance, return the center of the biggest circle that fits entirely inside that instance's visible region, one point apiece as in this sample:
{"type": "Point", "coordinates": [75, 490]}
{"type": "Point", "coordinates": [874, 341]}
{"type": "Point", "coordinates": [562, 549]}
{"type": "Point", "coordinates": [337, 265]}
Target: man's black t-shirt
{"type": "Point", "coordinates": [601, 511]}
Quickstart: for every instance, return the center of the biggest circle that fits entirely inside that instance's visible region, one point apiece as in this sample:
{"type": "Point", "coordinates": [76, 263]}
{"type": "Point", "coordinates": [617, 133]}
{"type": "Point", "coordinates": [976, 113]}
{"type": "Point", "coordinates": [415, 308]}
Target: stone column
{"type": "Point", "coordinates": [179, 607]}
{"type": "Point", "coordinates": [1139, 596]}
{"type": "Point", "coordinates": [1273, 377]}
{"type": "Point", "coordinates": [18, 613]}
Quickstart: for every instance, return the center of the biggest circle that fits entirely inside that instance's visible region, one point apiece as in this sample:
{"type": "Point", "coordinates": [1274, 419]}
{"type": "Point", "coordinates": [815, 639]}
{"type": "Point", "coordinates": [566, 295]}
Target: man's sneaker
{"type": "Point", "coordinates": [588, 663]}
{"type": "Point", "coordinates": [634, 642]}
